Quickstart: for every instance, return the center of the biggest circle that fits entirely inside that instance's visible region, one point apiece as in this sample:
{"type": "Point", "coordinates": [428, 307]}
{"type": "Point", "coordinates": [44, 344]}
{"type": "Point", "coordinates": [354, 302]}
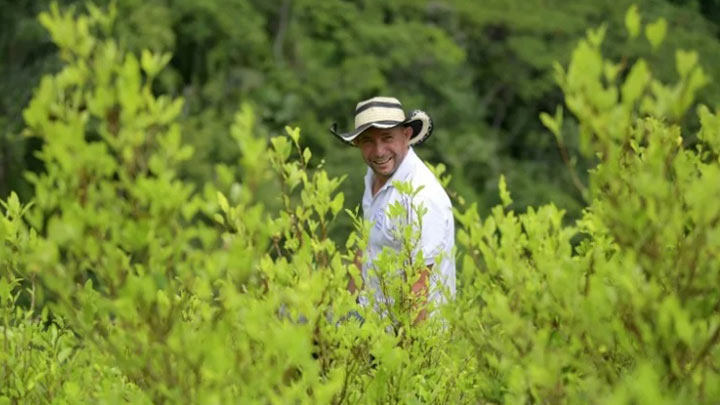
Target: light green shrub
{"type": "Point", "coordinates": [120, 282]}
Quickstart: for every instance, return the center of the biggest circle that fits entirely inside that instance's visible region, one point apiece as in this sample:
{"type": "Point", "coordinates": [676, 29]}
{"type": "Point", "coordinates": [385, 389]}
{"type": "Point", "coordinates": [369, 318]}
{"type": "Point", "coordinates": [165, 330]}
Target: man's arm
{"type": "Point", "coordinates": [420, 290]}
{"type": "Point", "coordinates": [434, 234]}
{"type": "Point", "coordinates": [352, 287]}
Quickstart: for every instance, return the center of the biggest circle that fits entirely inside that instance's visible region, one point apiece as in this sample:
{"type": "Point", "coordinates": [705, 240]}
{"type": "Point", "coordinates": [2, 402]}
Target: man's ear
{"type": "Point", "coordinates": [407, 132]}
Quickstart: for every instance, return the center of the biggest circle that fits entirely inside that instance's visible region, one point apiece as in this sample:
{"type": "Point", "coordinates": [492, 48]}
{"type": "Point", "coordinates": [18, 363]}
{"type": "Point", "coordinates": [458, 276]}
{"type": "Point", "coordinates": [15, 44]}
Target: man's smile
{"type": "Point", "coordinates": [383, 165]}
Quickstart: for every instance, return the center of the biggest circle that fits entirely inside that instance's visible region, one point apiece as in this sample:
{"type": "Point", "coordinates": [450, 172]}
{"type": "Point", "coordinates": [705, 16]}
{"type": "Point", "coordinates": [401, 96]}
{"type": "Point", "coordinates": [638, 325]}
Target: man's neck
{"type": "Point", "coordinates": [378, 182]}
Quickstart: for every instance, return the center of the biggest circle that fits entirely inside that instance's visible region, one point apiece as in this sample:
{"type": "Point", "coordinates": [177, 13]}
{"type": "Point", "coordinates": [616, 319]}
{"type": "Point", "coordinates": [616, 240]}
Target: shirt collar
{"type": "Point", "coordinates": [402, 173]}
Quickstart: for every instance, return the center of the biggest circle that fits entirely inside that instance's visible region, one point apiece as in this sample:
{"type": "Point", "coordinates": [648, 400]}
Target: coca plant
{"type": "Point", "coordinates": [122, 282]}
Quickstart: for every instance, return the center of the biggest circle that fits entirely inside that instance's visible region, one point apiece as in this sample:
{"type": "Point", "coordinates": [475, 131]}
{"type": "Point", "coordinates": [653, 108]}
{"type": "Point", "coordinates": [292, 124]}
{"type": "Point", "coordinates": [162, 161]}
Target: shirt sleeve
{"type": "Point", "coordinates": [434, 225]}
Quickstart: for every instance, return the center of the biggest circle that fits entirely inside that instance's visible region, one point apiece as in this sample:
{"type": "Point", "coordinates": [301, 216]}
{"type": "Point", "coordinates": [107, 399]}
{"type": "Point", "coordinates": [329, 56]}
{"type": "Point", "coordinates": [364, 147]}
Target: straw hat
{"type": "Point", "coordinates": [386, 112]}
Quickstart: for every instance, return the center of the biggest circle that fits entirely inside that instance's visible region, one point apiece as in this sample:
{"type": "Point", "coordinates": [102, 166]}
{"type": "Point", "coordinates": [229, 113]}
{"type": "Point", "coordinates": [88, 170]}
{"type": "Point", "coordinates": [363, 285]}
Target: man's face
{"type": "Point", "coordinates": [384, 149]}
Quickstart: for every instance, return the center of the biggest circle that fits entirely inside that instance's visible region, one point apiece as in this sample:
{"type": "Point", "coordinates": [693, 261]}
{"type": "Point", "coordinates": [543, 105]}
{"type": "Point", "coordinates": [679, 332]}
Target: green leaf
{"type": "Point", "coordinates": [396, 210]}
{"type": "Point", "coordinates": [611, 70]}
{"type": "Point", "coordinates": [636, 82]}
{"type": "Point", "coordinates": [293, 133]}
{"type": "Point", "coordinates": [13, 205]}
{"type": "Point", "coordinates": [5, 291]}
{"type": "Point", "coordinates": [172, 111]}
{"type": "Point", "coordinates": [553, 123]}
{"type": "Point", "coordinates": [337, 203]}
{"type": "Point", "coordinates": [655, 32]}
{"type": "Point", "coordinates": [685, 61]}
{"type": "Point", "coordinates": [219, 218]}
{"type": "Point", "coordinates": [710, 131]}
{"type": "Point", "coordinates": [597, 36]}
{"type": "Point", "coordinates": [152, 64]}
{"type": "Point", "coordinates": [403, 187]}
{"type": "Point", "coordinates": [282, 147]}
{"type": "Point", "coordinates": [64, 354]}
{"type": "Point", "coordinates": [504, 193]}
{"type": "Point", "coordinates": [222, 200]}
{"type": "Point", "coordinates": [549, 123]}
{"type": "Point", "coordinates": [632, 21]}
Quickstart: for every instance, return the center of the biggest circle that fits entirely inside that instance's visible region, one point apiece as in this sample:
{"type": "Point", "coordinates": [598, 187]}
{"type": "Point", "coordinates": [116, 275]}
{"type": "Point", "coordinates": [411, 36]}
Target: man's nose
{"type": "Point", "coordinates": [378, 148]}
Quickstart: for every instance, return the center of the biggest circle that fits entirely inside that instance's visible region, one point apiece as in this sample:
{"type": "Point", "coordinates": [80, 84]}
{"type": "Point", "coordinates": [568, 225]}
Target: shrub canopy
{"type": "Point", "coordinates": [123, 282]}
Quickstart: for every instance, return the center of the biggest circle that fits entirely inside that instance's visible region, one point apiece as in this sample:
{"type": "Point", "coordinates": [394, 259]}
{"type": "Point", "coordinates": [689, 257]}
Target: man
{"type": "Point", "coordinates": [385, 138]}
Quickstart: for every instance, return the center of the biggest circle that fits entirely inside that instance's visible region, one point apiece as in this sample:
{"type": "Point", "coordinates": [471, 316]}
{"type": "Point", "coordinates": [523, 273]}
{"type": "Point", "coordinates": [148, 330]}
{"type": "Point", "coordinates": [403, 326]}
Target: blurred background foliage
{"type": "Point", "coordinates": [482, 70]}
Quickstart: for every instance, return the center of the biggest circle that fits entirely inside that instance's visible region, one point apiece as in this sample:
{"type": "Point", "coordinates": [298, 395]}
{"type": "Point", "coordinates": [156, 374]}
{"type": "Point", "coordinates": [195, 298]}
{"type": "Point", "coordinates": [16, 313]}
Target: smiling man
{"type": "Point", "coordinates": [385, 138]}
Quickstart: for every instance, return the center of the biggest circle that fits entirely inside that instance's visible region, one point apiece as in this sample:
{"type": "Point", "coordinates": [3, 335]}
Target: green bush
{"type": "Point", "coordinates": [121, 282]}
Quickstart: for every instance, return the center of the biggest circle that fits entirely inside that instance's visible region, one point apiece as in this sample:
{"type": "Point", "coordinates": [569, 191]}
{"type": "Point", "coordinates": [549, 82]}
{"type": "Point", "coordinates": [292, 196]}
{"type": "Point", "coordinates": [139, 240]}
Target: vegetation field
{"type": "Point", "coordinates": [177, 224]}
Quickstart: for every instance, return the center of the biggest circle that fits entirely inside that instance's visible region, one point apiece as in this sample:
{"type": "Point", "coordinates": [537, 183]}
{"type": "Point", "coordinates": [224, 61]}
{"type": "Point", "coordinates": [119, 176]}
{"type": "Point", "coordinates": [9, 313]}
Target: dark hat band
{"type": "Point", "coordinates": [377, 104]}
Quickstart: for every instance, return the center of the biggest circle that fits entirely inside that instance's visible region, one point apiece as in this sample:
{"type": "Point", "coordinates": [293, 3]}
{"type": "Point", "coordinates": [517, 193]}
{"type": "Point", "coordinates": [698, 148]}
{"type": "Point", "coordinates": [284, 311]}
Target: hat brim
{"type": "Point", "coordinates": [422, 126]}
{"type": "Point", "coordinates": [418, 120]}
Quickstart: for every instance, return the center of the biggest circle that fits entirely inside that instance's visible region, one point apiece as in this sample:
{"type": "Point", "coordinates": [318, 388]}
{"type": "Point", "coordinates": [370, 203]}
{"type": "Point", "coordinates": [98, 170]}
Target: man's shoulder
{"type": "Point", "coordinates": [431, 188]}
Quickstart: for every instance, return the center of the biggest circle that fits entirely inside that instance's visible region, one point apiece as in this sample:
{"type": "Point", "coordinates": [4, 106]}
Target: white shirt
{"type": "Point", "coordinates": [437, 237]}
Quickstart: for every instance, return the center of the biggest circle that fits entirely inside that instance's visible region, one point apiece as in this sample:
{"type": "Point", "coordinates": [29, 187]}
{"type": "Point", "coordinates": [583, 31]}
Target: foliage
{"type": "Point", "coordinates": [26, 53]}
{"type": "Point", "coordinates": [483, 70]}
{"type": "Point", "coordinates": [625, 313]}
{"type": "Point", "coordinates": [122, 281]}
